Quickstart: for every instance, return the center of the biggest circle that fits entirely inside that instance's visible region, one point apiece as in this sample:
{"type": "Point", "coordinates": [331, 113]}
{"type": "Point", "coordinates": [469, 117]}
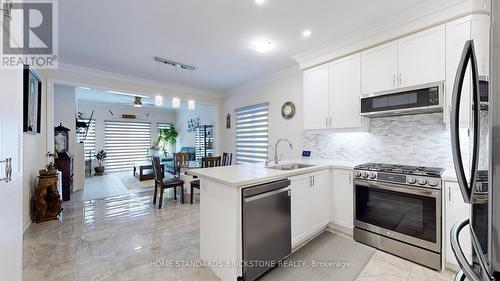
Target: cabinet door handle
{"type": "Point", "coordinates": [394, 80]}
{"type": "Point", "coordinates": [314, 180]}
{"type": "Point", "coordinates": [8, 170]}
{"type": "Point", "coordinates": [326, 121]}
{"type": "Point", "coordinates": [449, 193]}
{"type": "Point", "coordinates": [399, 79]}
{"type": "Point", "coordinates": [350, 178]}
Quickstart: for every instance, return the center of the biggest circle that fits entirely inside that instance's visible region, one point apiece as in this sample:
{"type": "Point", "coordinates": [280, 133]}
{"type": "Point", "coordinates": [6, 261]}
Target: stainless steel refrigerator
{"type": "Point", "coordinates": [479, 176]}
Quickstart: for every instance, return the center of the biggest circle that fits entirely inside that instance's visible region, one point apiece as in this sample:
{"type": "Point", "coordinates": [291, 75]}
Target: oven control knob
{"type": "Point", "coordinates": [358, 174]}
{"type": "Point", "coordinates": [411, 180]}
{"type": "Point", "coordinates": [364, 174]}
{"type": "Point", "coordinates": [433, 182]}
{"type": "Point", "coordinates": [373, 176]}
{"type": "Point", "coordinates": [421, 181]}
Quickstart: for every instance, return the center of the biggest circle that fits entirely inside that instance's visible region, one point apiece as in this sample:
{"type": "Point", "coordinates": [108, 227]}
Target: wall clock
{"type": "Point", "coordinates": [288, 110]}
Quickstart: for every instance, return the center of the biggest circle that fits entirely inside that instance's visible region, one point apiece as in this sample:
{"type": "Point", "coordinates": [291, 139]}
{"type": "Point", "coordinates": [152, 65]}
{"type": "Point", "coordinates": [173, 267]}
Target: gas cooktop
{"type": "Point", "coordinates": [401, 169]}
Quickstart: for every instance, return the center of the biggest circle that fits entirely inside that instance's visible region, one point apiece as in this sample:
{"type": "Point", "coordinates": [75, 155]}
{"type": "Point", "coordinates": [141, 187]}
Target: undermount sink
{"type": "Point", "coordinates": [287, 167]}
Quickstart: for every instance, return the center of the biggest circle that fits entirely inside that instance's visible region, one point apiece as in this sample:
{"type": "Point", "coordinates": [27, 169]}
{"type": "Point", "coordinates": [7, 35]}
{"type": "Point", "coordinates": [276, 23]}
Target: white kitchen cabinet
{"type": "Point", "coordinates": [379, 68]}
{"type": "Point", "coordinates": [457, 33]}
{"type": "Point", "coordinates": [316, 98]}
{"type": "Point", "coordinates": [331, 95]}
{"type": "Point", "coordinates": [345, 92]}
{"type": "Point", "coordinates": [342, 199]}
{"type": "Point", "coordinates": [421, 57]}
{"type": "Point", "coordinates": [310, 204]}
{"type": "Point", "coordinates": [410, 61]}
{"type": "Point", "coordinates": [480, 33]}
{"type": "Point", "coordinates": [456, 210]}
{"type": "Point", "coordinates": [321, 200]}
{"type": "Point", "coordinates": [301, 202]}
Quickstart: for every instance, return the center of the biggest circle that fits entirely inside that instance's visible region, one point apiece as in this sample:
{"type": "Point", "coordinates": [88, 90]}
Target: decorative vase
{"type": "Point", "coordinates": [99, 170]}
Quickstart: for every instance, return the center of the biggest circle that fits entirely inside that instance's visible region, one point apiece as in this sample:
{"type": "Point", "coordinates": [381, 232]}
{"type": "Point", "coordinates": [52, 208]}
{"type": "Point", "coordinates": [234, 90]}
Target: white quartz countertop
{"type": "Point", "coordinates": [248, 174]}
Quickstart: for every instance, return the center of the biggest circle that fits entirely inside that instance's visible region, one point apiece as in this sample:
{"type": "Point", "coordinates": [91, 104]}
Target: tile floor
{"type": "Point", "coordinates": [126, 238]}
{"type": "Point", "coordinates": [102, 187]}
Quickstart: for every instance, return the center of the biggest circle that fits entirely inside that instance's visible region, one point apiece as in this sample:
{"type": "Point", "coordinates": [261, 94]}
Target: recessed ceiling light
{"type": "Point", "coordinates": [260, 2]}
{"type": "Point", "coordinates": [84, 88]}
{"type": "Point", "coordinates": [262, 46]}
{"type": "Point", "coordinates": [176, 103]}
{"type": "Point", "coordinates": [306, 33]}
{"type": "Point", "coordinates": [158, 100]}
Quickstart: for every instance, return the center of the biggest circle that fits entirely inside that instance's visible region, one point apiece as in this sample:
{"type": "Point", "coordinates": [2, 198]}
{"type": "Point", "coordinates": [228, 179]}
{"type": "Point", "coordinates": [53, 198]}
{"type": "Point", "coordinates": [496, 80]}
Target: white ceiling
{"type": "Point", "coordinates": [123, 36]}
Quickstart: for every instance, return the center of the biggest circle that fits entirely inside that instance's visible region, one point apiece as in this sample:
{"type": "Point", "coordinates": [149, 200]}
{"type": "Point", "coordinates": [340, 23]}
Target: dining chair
{"type": "Point", "coordinates": [206, 162]}
{"type": "Point", "coordinates": [227, 159]}
{"type": "Point", "coordinates": [163, 183]}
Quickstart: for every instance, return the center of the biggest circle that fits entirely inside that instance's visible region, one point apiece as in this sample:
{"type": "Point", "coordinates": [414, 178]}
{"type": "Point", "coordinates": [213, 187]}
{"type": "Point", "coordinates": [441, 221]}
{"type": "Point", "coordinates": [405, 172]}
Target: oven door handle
{"type": "Point", "coordinates": [399, 188]}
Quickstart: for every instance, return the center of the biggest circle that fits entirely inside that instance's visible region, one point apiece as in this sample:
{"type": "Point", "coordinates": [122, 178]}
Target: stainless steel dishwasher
{"type": "Point", "coordinates": [267, 233]}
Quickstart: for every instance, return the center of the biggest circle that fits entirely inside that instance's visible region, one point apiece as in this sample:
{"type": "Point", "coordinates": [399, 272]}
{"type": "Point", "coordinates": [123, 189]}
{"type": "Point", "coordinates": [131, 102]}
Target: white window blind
{"type": "Point", "coordinates": [126, 143]}
{"type": "Point", "coordinates": [252, 133]}
{"type": "Point", "coordinates": [160, 126]}
{"type": "Point", "coordinates": [88, 139]}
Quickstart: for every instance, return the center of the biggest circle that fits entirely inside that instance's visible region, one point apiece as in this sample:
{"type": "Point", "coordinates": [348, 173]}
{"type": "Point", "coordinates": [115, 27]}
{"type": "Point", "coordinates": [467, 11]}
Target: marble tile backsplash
{"type": "Point", "coordinates": [413, 140]}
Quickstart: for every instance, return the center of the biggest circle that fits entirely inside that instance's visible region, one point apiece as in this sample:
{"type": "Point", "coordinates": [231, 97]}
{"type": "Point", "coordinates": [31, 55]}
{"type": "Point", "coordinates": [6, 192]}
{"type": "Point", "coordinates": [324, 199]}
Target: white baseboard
{"type": "Point", "coordinates": [26, 224]}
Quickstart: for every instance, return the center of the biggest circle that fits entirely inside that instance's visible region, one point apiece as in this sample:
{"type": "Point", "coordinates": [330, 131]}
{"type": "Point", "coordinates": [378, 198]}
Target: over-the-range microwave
{"type": "Point", "coordinates": [426, 98]}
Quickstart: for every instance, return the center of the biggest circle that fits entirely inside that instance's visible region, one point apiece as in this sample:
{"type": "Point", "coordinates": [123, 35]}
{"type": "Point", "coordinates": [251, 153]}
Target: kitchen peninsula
{"type": "Point", "coordinates": [301, 212]}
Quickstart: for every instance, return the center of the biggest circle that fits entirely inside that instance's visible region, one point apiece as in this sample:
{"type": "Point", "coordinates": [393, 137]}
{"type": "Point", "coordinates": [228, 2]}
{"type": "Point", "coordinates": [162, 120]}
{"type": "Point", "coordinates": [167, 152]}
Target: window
{"type": "Point", "coordinates": [252, 133]}
{"type": "Point", "coordinates": [160, 126]}
{"type": "Point", "coordinates": [88, 139]}
{"type": "Point", "coordinates": [126, 143]}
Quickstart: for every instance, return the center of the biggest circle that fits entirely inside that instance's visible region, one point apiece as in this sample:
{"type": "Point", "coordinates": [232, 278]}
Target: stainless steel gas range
{"type": "Point", "coordinates": [397, 209]}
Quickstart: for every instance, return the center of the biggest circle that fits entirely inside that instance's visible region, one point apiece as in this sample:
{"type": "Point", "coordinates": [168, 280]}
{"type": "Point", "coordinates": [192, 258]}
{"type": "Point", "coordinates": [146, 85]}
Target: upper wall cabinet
{"type": "Point", "coordinates": [345, 92]}
{"type": "Point", "coordinates": [410, 61]}
{"type": "Point", "coordinates": [476, 27]}
{"type": "Point", "coordinates": [316, 98]}
{"type": "Point", "coordinates": [379, 68]}
{"type": "Point", "coordinates": [331, 95]}
{"type": "Point", "coordinates": [421, 57]}
{"type": "Point", "coordinates": [480, 33]}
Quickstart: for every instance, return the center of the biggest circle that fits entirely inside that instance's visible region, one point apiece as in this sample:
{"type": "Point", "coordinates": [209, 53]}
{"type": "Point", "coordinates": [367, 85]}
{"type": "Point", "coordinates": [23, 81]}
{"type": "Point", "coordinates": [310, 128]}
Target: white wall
{"type": "Point", "coordinates": [276, 93]}
{"type": "Point", "coordinates": [101, 114]}
{"type": "Point", "coordinates": [207, 114]}
{"type": "Point", "coordinates": [35, 147]}
{"type": "Point", "coordinates": [65, 114]}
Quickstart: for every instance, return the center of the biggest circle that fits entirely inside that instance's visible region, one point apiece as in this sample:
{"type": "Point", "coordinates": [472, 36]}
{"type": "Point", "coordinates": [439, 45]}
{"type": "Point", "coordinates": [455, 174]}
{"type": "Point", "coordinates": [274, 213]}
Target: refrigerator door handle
{"type": "Point", "coordinates": [468, 54]}
{"type": "Point", "coordinates": [480, 254]}
{"type": "Point", "coordinates": [467, 269]}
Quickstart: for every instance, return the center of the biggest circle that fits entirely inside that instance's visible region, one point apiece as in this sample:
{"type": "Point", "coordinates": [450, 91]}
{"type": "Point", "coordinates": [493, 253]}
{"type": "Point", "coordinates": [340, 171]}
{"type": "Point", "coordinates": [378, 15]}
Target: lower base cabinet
{"type": "Point", "coordinates": [342, 199]}
{"type": "Point", "coordinates": [455, 210]}
{"type": "Point", "coordinates": [310, 204]}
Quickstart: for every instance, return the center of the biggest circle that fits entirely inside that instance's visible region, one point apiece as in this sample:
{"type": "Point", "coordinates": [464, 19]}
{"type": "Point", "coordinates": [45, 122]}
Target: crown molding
{"type": "Point", "coordinates": [419, 17]}
{"type": "Point", "coordinates": [263, 80]}
{"type": "Point", "coordinates": [141, 81]}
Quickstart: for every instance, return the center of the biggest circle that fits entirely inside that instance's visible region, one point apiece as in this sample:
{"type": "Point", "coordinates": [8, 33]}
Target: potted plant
{"type": "Point", "coordinates": [154, 149]}
{"type": "Point", "coordinates": [167, 137]}
{"type": "Point", "coordinates": [50, 166]}
{"type": "Point", "coordinates": [100, 156]}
